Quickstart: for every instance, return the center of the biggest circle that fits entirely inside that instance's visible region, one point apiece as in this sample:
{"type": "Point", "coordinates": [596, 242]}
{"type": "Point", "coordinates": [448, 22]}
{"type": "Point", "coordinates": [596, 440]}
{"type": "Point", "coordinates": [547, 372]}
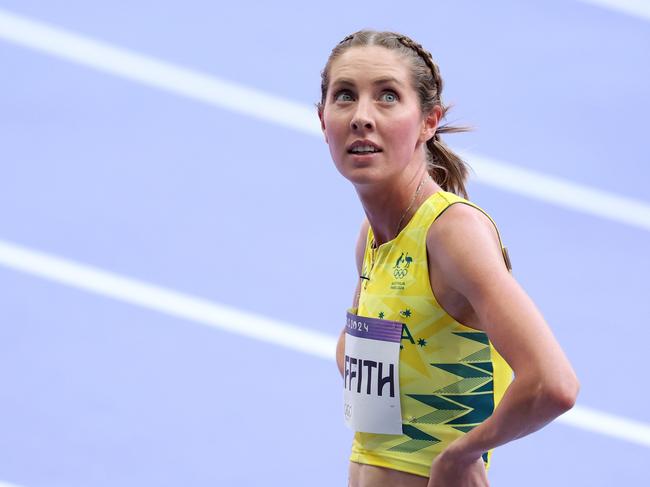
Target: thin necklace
{"type": "Point", "coordinates": [399, 225]}
{"type": "Point", "coordinates": [373, 244]}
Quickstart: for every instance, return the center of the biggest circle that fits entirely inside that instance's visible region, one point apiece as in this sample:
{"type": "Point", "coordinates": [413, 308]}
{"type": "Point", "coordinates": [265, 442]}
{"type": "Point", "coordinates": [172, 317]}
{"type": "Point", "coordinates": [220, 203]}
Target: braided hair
{"type": "Point", "coordinates": [444, 166]}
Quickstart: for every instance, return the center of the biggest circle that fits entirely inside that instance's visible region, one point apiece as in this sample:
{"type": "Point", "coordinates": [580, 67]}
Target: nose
{"type": "Point", "coordinates": [362, 117]}
{"type": "Point", "coordinates": [357, 122]}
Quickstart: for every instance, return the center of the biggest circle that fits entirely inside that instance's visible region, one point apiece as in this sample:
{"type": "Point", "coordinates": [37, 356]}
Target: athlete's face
{"type": "Point", "coordinates": [370, 97]}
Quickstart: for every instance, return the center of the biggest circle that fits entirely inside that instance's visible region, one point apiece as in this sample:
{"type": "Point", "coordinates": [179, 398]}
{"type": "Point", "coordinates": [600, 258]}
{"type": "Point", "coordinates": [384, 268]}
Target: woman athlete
{"type": "Point", "coordinates": [432, 266]}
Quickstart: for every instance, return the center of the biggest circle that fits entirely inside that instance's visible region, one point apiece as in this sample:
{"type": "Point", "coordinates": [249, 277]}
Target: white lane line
{"type": "Point", "coordinates": [166, 301]}
{"type": "Point", "coordinates": [224, 94]}
{"type": "Point", "coordinates": [607, 424]}
{"type": "Point", "coordinates": [149, 296]}
{"type": "Point", "coordinates": [153, 72]}
{"type": "Point", "coordinates": [560, 192]}
{"type": "Point", "coordinates": [636, 8]}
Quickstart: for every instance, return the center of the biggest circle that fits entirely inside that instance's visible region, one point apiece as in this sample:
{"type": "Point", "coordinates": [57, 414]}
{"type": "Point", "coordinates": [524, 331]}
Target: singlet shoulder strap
{"type": "Point", "coordinates": [453, 199]}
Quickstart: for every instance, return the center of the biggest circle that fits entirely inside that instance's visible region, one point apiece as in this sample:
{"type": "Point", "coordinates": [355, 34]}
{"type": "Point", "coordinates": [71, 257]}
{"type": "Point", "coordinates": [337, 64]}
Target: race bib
{"type": "Point", "coordinates": [371, 375]}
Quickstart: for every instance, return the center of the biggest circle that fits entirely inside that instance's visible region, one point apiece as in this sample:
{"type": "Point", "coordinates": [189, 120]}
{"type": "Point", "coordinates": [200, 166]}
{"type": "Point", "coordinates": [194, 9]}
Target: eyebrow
{"type": "Point", "coordinates": [378, 81]}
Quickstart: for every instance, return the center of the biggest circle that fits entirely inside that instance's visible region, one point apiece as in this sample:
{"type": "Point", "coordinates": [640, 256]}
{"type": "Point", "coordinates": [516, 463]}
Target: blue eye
{"type": "Point", "coordinates": [343, 95]}
{"type": "Point", "coordinates": [389, 96]}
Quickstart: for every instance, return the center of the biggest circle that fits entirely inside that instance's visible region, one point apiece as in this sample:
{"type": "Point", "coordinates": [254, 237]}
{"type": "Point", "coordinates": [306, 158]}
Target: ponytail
{"type": "Point", "coordinates": [446, 167]}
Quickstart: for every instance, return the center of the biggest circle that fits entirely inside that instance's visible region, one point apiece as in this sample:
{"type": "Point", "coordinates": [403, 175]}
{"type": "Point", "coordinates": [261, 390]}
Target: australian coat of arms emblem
{"type": "Point", "coordinates": [401, 267]}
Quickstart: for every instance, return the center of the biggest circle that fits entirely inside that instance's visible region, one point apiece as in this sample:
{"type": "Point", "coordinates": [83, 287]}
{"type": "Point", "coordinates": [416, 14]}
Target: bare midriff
{"type": "Point", "coordinates": [363, 475]}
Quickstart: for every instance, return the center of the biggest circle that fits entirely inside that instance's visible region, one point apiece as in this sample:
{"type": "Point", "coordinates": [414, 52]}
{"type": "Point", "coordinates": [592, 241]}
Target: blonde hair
{"type": "Point", "coordinates": [445, 167]}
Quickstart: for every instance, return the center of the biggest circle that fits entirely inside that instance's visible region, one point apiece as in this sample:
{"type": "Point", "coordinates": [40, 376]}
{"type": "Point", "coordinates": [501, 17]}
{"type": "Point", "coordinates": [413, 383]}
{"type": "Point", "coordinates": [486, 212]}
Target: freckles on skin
{"type": "Point", "coordinates": [395, 123]}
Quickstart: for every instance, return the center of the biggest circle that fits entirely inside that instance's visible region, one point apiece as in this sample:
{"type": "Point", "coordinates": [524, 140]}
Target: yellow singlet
{"type": "Point", "coordinates": [451, 378]}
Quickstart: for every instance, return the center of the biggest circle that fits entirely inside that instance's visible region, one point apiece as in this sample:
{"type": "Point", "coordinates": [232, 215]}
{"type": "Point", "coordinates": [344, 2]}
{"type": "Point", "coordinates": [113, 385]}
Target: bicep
{"type": "Point", "coordinates": [472, 263]}
{"type": "Point", "coordinates": [517, 329]}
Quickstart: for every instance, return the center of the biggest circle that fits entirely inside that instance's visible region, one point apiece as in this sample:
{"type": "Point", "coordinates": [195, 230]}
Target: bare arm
{"type": "Point", "coordinates": [462, 247]}
{"type": "Point", "coordinates": [359, 251]}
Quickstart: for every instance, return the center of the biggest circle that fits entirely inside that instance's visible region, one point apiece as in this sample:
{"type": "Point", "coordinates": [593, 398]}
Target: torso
{"type": "Point", "coordinates": [459, 309]}
{"type": "Point", "coordinates": [457, 306]}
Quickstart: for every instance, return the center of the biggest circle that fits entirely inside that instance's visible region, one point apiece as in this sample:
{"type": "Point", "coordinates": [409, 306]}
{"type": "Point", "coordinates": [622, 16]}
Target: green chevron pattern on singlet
{"type": "Point", "coordinates": [452, 404]}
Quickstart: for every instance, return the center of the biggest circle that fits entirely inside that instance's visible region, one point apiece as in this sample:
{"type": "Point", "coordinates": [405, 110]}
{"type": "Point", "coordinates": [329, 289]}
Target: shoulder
{"type": "Point", "coordinates": [463, 244]}
{"type": "Point", "coordinates": [461, 219]}
{"type": "Point", "coordinates": [465, 216]}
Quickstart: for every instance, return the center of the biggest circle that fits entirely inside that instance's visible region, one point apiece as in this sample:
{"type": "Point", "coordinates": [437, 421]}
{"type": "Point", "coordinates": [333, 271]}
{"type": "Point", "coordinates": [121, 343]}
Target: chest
{"type": "Point", "coordinates": [400, 283]}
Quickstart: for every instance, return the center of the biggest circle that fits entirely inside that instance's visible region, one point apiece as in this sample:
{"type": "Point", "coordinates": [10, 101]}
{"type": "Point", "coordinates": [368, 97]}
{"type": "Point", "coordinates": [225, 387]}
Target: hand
{"type": "Point", "coordinates": [450, 471]}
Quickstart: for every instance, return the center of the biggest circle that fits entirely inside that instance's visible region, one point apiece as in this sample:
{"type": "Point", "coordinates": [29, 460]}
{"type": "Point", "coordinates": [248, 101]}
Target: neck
{"type": "Point", "coordinates": [386, 203]}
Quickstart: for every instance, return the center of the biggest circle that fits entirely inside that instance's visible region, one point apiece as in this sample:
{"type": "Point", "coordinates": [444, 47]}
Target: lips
{"type": "Point", "coordinates": [359, 144]}
{"type": "Point", "coordinates": [363, 155]}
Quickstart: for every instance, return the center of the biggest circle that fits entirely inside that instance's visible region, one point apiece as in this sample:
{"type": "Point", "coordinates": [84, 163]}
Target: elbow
{"type": "Point", "coordinates": [340, 352]}
{"type": "Point", "coordinates": [563, 395]}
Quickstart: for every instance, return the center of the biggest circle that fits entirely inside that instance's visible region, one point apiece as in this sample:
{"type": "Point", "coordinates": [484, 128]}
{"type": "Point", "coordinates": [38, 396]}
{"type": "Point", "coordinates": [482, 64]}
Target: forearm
{"type": "Point", "coordinates": [526, 406]}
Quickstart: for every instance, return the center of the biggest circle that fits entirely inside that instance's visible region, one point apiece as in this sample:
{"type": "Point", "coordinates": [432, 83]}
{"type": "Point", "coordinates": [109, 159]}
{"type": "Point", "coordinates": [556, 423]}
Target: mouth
{"type": "Point", "coordinates": [364, 152]}
{"type": "Point", "coordinates": [362, 156]}
{"type": "Point", "coordinates": [363, 148]}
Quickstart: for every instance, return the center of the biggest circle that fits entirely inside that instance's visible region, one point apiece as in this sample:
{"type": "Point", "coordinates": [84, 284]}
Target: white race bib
{"type": "Point", "coordinates": [371, 375]}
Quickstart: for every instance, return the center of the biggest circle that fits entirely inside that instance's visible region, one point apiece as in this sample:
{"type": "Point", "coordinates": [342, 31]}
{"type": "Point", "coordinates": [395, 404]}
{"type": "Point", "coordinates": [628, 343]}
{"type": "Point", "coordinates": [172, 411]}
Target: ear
{"type": "Point", "coordinates": [430, 123]}
{"type": "Point", "coordinates": [322, 124]}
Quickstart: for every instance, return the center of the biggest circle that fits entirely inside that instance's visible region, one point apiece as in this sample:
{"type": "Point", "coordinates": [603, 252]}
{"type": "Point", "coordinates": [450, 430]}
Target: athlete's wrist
{"type": "Point", "coordinates": [461, 453]}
